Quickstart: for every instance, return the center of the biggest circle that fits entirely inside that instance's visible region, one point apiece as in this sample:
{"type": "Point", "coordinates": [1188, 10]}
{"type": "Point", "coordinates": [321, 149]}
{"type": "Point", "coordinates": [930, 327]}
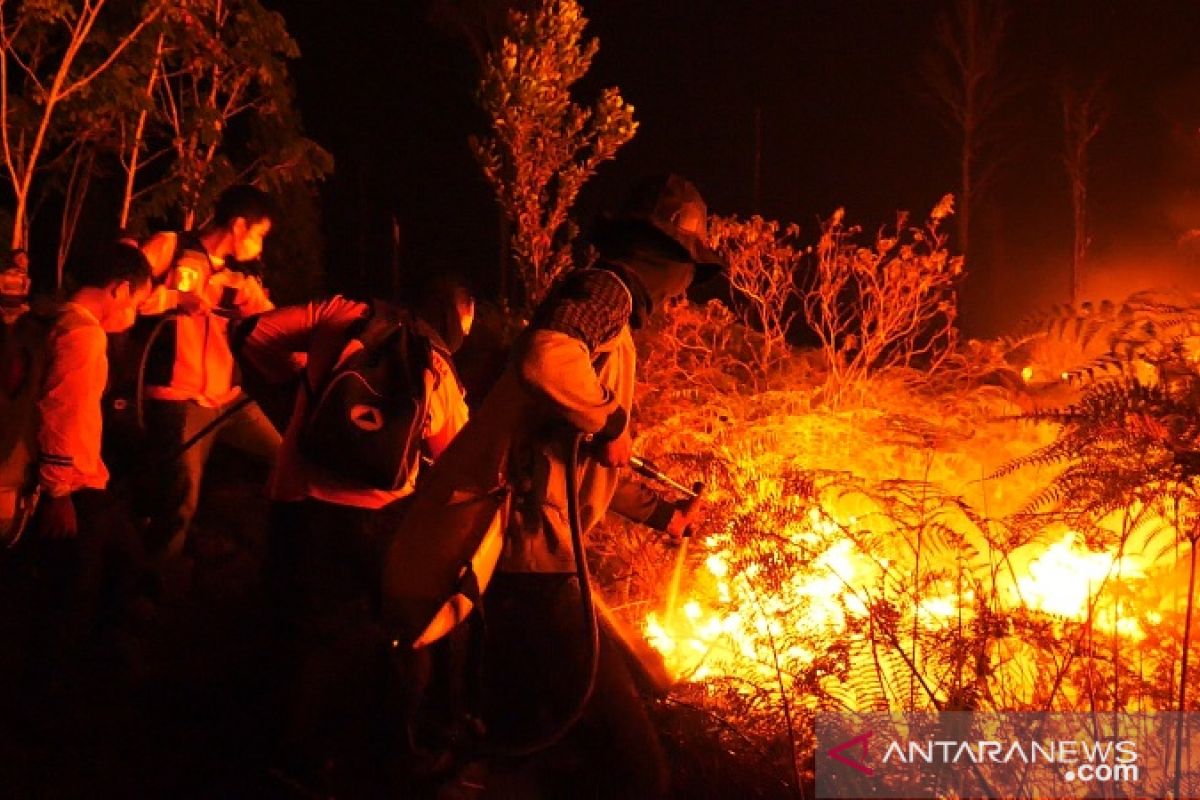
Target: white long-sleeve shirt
{"type": "Point", "coordinates": [69, 418]}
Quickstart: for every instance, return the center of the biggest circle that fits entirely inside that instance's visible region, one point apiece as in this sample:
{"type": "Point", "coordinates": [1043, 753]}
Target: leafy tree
{"type": "Point", "coordinates": [764, 258]}
{"type": "Point", "coordinates": [893, 304]}
{"type": "Point", "coordinates": [52, 53]}
{"type": "Point", "coordinates": [134, 124]}
{"type": "Point", "coordinates": [544, 146]}
{"type": "Point", "coordinates": [179, 100]}
{"type": "Point", "coordinates": [93, 134]}
{"type": "Point", "coordinates": [222, 110]}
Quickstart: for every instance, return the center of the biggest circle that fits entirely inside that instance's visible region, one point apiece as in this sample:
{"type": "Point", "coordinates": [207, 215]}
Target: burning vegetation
{"type": "Point", "coordinates": [919, 529]}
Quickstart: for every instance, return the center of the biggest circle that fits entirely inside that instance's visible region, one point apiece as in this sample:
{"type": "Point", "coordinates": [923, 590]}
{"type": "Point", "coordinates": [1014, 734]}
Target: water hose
{"type": "Point", "coordinates": [589, 618]}
{"type": "Point", "coordinates": [140, 407]}
{"type": "Point", "coordinates": [589, 603]}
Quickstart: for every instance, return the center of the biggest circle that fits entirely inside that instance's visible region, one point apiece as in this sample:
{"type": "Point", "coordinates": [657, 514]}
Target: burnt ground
{"type": "Point", "coordinates": [179, 697]}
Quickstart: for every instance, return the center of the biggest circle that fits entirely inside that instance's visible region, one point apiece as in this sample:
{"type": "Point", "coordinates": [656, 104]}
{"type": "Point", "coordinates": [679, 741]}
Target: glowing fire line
{"type": "Point", "coordinates": [731, 627]}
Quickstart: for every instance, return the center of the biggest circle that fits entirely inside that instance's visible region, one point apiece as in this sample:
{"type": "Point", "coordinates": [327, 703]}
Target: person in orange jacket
{"type": "Point", "coordinates": [190, 375]}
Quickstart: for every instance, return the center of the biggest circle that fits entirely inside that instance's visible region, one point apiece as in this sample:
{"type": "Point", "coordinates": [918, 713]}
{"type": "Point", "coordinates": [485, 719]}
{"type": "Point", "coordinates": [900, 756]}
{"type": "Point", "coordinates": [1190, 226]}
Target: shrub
{"type": "Point", "coordinates": [763, 257]}
{"type": "Point", "coordinates": [544, 146]}
{"type": "Point", "coordinates": [891, 304]}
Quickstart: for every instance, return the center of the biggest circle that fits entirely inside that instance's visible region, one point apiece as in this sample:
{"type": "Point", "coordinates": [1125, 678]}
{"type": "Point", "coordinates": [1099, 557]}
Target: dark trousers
{"type": "Point", "coordinates": [81, 582]}
{"type": "Point", "coordinates": [537, 663]}
{"type": "Point", "coordinates": [324, 573]}
{"type": "Point", "coordinates": [169, 491]}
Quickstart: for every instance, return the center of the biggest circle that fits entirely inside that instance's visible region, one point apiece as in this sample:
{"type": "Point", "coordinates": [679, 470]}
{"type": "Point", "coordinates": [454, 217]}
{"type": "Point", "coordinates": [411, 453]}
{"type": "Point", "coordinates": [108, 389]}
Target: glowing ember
{"type": "Point", "coordinates": [1063, 580]}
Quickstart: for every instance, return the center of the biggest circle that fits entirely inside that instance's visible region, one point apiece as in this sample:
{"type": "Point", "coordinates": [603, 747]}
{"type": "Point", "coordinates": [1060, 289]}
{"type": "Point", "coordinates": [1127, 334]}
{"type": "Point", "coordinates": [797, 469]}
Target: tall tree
{"type": "Point", "coordinates": [1084, 113]}
{"type": "Point", "coordinates": [133, 127]}
{"type": "Point", "coordinates": [223, 107]}
{"type": "Point", "coordinates": [544, 146]}
{"type": "Point", "coordinates": [52, 52]}
{"type": "Point", "coordinates": [965, 76]}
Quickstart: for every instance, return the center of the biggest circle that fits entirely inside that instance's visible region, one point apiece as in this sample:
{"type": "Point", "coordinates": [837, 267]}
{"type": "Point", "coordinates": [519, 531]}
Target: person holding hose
{"type": "Point", "coordinates": [571, 379]}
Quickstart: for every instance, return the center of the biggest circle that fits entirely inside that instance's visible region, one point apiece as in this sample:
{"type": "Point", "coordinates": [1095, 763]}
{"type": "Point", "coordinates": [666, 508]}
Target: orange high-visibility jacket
{"type": "Point", "coordinates": [192, 360]}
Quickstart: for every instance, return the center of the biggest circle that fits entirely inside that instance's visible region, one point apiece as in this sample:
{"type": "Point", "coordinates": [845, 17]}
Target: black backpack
{"type": "Point", "coordinates": [366, 422]}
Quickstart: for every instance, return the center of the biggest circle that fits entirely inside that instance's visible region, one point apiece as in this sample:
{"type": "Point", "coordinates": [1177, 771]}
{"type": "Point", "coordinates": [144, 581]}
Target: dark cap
{"type": "Point", "coordinates": [673, 207]}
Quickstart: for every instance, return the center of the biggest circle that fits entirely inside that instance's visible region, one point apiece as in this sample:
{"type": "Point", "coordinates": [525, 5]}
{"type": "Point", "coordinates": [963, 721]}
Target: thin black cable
{"type": "Point", "coordinates": [589, 620]}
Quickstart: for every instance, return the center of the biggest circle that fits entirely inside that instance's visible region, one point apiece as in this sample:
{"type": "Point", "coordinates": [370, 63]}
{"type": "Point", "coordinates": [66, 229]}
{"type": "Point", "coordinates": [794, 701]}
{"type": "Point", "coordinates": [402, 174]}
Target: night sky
{"type": "Point", "coordinates": [845, 122]}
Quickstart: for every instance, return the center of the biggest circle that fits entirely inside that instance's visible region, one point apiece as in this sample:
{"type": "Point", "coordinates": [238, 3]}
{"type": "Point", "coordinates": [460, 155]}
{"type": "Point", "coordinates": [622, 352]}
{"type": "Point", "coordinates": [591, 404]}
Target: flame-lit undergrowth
{"type": "Point", "coordinates": [863, 559]}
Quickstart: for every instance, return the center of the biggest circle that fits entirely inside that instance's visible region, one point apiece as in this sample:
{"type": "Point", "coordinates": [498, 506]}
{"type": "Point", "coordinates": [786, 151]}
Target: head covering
{"type": "Point", "coordinates": [436, 304]}
{"type": "Point", "coordinates": [666, 207]}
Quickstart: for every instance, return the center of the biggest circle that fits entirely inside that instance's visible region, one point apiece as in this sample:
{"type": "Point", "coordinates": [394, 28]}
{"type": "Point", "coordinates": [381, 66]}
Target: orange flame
{"type": "Point", "coordinates": [720, 631]}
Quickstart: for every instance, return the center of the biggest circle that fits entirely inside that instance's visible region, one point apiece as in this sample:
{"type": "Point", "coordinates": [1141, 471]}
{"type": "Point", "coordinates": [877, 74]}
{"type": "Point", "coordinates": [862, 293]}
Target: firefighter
{"type": "Point", "coordinates": [81, 537]}
{"type": "Point", "coordinates": [202, 285]}
{"type": "Point", "coordinates": [572, 375]}
{"type": "Point", "coordinates": [330, 529]}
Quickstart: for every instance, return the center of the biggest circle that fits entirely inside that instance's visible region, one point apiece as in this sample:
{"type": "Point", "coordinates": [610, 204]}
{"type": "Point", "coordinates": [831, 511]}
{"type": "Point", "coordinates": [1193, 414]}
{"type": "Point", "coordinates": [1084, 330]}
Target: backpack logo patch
{"type": "Point", "coordinates": [367, 418]}
{"type": "Point", "coordinates": [365, 422]}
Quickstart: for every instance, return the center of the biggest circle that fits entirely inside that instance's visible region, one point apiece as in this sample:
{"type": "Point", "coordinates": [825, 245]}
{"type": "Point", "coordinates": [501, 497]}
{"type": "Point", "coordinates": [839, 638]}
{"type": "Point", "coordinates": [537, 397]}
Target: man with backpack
{"type": "Point", "coordinates": [378, 395]}
{"type": "Point", "coordinates": [569, 388]}
{"type": "Point", "coordinates": [56, 369]}
{"type": "Point", "coordinates": [202, 286]}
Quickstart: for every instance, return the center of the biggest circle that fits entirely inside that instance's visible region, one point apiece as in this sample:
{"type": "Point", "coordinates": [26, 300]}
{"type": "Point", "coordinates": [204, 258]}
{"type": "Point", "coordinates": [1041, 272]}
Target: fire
{"type": "Point", "coordinates": [845, 567]}
{"type": "Point", "coordinates": [726, 624]}
{"type": "Point", "coordinates": [1064, 581]}
{"type": "Point", "coordinates": [708, 636]}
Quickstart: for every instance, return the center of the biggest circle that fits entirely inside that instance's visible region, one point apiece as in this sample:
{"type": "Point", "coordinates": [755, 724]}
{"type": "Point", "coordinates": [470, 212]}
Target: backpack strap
{"type": "Point", "coordinates": [468, 584]}
{"type": "Point", "coordinates": [184, 240]}
{"type": "Point", "coordinates": [377, 329]}
{"type": "Point", "coordinates": [189, 240]}
{"type": "Point", "coordinates": [439, 346]}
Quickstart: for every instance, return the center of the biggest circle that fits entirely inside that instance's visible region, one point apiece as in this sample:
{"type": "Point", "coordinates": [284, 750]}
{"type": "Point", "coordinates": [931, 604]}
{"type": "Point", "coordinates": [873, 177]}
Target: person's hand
{"type": "Point", "coordinates": [683, 519]}
{"type": "Point", "coordinates": [191, 303]}
{"type": "Point", "coordinates": [58, 518]}
{"type": "Point", "coordinates": [616, 452]}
